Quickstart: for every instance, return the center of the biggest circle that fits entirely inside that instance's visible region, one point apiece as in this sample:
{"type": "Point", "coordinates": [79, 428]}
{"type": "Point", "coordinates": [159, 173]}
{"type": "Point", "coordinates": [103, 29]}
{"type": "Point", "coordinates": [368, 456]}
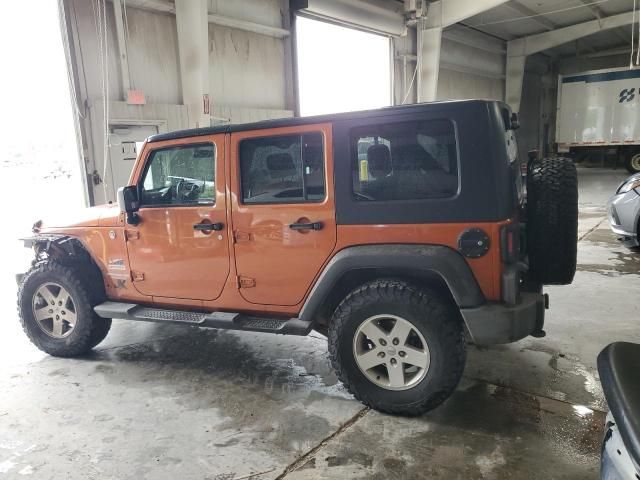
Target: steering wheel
{"type": "Point", "coordinates": [186, 190]}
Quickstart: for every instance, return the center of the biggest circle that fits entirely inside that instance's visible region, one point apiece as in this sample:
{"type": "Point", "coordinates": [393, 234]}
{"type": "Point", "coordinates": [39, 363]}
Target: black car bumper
{"type": "Point", "coordinates": [501, 323]}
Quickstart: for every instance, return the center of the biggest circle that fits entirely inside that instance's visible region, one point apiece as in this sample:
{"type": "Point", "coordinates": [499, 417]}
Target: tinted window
{"type": "Point", "coordinates": [180, 176]}
{"type": "Point", "coordinates": [282, 169]}
{"type": "Point", "coordinates": [404, 161]}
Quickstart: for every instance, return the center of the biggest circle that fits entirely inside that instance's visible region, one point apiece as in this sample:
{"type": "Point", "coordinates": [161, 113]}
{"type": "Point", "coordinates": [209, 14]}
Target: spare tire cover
{"type": "Point", "coordinates": [552, 220]}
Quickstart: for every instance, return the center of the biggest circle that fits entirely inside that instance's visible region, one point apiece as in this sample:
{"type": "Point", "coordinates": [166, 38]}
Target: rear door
{"type": "Point", "coordinates": [283, 210]}
{"type": "Point", "coordinates": [180, 247]}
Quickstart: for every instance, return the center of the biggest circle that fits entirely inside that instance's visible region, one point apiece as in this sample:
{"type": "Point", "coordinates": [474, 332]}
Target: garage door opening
{"type": "Point", "coordinates": [341, 69]}
{"type": "Point", "coordinates": [39, 164]}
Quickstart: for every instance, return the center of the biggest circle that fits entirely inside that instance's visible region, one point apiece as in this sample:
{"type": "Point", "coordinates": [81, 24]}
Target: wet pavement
{"type": "Point", "coordinates": [159, 401]}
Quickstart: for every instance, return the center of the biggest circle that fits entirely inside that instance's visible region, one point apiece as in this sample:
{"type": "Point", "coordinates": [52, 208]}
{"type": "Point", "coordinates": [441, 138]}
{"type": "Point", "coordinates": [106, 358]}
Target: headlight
{"type": "Point", "coordinates": [632, 184]}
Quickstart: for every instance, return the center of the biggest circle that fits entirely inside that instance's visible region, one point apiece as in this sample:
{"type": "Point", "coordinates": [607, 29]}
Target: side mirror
{"type": "Point", "coordinates": [129, 203]}
{"type": "Point", "coordinates": [515, 121]}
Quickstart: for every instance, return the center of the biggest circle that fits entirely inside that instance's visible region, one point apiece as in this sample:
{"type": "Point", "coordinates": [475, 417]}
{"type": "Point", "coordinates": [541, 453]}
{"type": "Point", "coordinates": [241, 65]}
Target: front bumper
{"type": "Point", "coordinates": [501, 323]}
{"type": "Point", "coordinates": [623, 212]}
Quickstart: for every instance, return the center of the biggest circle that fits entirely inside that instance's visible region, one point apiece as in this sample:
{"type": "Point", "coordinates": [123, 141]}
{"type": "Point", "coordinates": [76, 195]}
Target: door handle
{"type": "Point", "coordinates": [207, 227]}
{"type": "Point", "coordinates": [306, 226]}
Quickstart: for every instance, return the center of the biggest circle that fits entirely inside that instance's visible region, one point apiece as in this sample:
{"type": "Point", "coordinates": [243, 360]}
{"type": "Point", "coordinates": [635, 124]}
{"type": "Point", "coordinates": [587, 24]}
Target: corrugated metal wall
{"type": "Point", "coordinates": [246, 69]}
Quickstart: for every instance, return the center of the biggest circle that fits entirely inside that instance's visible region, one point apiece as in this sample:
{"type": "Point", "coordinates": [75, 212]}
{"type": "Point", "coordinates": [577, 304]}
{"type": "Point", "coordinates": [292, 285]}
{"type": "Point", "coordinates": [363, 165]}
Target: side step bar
{"type": "Point", "coordinates": [221, 320]}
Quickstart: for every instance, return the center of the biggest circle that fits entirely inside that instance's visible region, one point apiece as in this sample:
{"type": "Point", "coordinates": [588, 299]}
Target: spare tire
{"type": "Point", "coordinates": [552, 220]}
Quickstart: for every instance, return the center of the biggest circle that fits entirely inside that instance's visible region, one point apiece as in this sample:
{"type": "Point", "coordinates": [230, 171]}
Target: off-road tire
{"type": "Point", "coordinates": [437, 320]}
{"type": "Point", "coordinates": [89, 329]}
{"type": "Point", "coordinates": [99, 331]}
{"type": "Point", "coordinates": [552, 220]}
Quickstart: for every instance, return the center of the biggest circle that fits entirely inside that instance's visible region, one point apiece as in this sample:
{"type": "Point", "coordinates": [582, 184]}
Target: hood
{"type": "Point", "coordinates": [635, 176]}
{"type": "Point", "coordinates": [98, 216]}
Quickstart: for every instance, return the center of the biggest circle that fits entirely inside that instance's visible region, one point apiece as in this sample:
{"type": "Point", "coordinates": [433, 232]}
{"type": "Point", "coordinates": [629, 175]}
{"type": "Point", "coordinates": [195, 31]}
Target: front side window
{"type": "Point", "coordinates": [404, 161]}
{"type": "Point", "coordinates": [181, 175]}
{"type": "Point", "coordinates": [282, 169]}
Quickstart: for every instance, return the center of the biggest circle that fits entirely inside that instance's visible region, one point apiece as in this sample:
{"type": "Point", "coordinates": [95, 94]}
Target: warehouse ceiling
{"type": "Point", "coordinates": [513, 19]}
{"type": "Point", "coordinates": [521, 18]}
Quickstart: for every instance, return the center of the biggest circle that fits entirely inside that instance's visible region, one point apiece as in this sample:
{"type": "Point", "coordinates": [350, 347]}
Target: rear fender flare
{"type": "Point", "coordinates": [416, 260]}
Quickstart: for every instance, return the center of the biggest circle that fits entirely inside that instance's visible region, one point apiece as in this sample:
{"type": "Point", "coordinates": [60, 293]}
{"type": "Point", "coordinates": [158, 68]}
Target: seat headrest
{"type": "Point", "coordinates": [280, 165]}
{"type": "Point", "coordinates": [280, 161]}
{"type": "Point", "coordinates": [379, 159]}
{"type": "Point", "coordinates": [413, 157]}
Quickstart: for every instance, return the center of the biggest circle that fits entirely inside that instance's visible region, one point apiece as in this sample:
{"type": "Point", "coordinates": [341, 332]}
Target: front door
{"type": "Point", "coordinates": [283, 210]}
{"type": "Point", "coordinates": [180, 247]}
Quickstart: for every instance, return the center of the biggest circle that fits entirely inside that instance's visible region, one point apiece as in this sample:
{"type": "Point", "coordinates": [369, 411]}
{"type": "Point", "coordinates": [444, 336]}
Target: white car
{"type": "Point", "coordinates": [618, 369]}
{"type": "Point", "coordinates": [624, 211]}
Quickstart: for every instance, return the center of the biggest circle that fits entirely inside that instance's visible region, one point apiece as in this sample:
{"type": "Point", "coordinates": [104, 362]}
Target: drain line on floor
{"type": "Point", "coordinates": [311, 453]}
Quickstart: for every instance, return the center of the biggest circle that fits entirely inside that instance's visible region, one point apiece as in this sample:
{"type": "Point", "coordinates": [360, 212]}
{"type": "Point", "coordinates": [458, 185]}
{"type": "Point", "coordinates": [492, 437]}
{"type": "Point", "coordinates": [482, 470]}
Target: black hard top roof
{"type": "Point", "coordinates": [295, 121]}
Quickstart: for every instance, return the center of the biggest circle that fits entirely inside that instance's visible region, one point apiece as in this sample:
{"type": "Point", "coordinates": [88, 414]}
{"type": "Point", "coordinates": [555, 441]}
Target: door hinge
{"type": "Point", "coordinates": [137, 276]}
{"type": "Point", "coordinates": [131, 234]}
{"type": "Point", "coordinates": [241, 236]}
{"type": "Point", "coordinates": [246, 282]}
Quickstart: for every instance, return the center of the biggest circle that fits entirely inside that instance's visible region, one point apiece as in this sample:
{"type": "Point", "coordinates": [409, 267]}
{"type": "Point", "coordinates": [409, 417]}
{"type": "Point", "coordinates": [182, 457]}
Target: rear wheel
{"type": "Point", "coordinates": [552, 220]}
{"type": "Point", "coordinates": [396, 347]}
{"type": "Point", "coordinates": [632, 161]}
{"type": "Point", "coordinates": [56, 311]}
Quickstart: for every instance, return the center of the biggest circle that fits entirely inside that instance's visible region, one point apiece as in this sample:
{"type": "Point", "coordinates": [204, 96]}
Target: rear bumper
{"type": "Point", "coordinates": [500, 323]}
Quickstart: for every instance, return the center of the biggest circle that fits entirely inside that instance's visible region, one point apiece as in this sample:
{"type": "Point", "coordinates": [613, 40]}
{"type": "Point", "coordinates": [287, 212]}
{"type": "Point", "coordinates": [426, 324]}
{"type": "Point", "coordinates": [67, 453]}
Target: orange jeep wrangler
{"type": "Point", "coordinates": [399, 233]}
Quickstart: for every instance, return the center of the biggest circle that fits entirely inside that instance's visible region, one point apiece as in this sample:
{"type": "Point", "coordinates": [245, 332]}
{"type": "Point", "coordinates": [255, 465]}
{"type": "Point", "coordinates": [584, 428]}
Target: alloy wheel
{"type": "Point", "coordinates": [54, 310]}
{"type": "Point", "coordinates": [391, 352]}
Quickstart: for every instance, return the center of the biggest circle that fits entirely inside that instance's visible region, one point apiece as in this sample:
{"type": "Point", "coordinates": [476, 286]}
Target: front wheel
{"type": "Point", "coordinates": [56, 310]}
{"type": "Point", "coordinates": [397, 347]}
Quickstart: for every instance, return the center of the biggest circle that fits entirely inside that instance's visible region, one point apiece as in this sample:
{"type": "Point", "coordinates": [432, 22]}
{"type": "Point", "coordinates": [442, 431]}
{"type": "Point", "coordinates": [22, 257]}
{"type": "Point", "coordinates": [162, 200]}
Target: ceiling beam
{"type": "Point", "coordinates": [604, 53]}
{"type": "Point", "coordinates": [541, 20]}
{"type": "Point", "coordinates": [546, 40]}
{"type": "Point", "coordinates": [455, 11]}
{"type": "Point", "coordinates": [248, 26]}
{"type": "Point", "coordinates": [168, 7]}
{"type": "Point", "coordinates": [597, 12]}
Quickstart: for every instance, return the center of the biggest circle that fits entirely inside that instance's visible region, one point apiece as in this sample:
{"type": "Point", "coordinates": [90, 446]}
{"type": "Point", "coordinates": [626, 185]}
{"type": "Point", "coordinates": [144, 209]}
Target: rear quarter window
{"type": "Point", "coordinates": [404, 161]}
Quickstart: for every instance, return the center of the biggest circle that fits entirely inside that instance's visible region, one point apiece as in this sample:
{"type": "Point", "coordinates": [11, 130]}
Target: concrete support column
{"type": "Point", "coordinates": [193, 48]}
{"type": "Point", "coordinates": [122, 48]}
{"type": "Point", "coordinates": [429, 42]}
{"type": "Point", "coordinates": [515, 76]}
{"type": "Point", "coordinates": [290, 102]}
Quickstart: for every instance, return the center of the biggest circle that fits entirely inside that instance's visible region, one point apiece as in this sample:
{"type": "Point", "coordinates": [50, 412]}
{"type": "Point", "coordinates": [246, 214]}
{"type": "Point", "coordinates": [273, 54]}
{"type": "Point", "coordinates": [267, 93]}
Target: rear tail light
{"type": "Point", "coordinates": [510, 243]}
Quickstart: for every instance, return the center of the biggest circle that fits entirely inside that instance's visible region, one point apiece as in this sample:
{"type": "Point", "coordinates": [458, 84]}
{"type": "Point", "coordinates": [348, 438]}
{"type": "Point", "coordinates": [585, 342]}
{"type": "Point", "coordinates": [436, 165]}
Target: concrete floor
{"type": "Point", "coordinates": [175, 402]}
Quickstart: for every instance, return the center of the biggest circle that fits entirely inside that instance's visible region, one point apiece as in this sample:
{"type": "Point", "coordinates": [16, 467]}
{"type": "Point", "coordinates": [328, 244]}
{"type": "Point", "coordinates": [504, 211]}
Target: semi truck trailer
{"type": "Point", "coordinates": [599, 114]}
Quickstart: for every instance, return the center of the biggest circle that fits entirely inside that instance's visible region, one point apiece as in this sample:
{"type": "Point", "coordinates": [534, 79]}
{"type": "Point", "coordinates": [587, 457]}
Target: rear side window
{"type": "Point", "coordinates": [181, 175]}
{"type": "Point", "coordinates": [404, 161]}
{"type": "Point", "coordinates": [282, 169]}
